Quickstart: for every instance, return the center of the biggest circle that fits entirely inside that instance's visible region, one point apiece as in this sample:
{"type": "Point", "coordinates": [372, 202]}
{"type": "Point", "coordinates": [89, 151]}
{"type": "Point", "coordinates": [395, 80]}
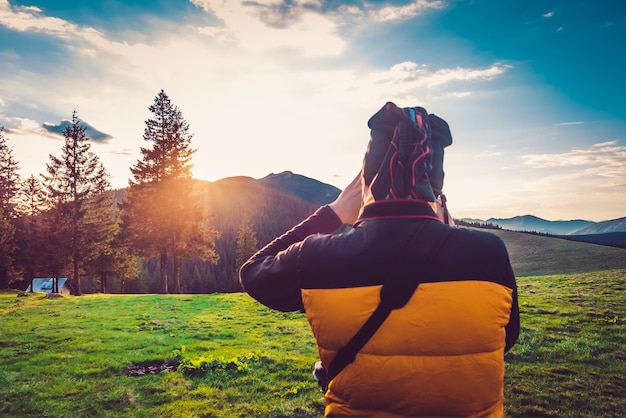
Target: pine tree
{"type": "Point", "coordinates": [108, 258]}
{"type": "Point", "coordinates": [29, 228]}
{"type": "Point", "coordinates": [9, 178]}
{"type": "Point", "coordinates": [32, 197]}
{"type": "Point", "coordinates": [161, 212]}
{"type": "Point", "coordinates": [9, 188]}
{"type": "Point", "coordinates": [76, 184]}
{"type": "Point", "coordinates": [246, 243]}
{"type": "Point", "coordinates": [7, 246]}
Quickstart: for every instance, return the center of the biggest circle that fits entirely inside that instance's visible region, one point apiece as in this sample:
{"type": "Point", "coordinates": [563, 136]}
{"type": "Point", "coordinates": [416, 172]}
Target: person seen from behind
{"type": "Point", "coordinates": [412, 316]}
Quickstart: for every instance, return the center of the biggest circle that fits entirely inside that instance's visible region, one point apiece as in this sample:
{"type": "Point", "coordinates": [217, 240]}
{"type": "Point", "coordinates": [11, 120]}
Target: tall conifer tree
{"type": "Point", "coordinates": [9, 188]}
{"type": "Point", "coordinates": [77, 187]}
{"type": "Point", "coordinates": [161, 213]}
{"type": "Point", "coordinates": [30, 228]}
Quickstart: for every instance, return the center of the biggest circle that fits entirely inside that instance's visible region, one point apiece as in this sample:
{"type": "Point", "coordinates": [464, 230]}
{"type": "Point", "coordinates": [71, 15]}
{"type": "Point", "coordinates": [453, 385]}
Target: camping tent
{"type": "Point", "coordinates": [44, 285]}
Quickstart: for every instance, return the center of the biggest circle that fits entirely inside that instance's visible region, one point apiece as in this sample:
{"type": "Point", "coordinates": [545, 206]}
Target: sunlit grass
{"type": "Point", "coordinates": [570, 359]}
{"type": "Point", "coordinates": [66, 357]}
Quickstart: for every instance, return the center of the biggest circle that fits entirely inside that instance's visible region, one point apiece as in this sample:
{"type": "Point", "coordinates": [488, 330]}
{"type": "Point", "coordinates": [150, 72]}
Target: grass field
{"type": "Point", "coordinates": [66, 357]}
{"type": "Point", "coordinates": [69, 356]}
{"type": "Point", "coordinates": [570, 360]}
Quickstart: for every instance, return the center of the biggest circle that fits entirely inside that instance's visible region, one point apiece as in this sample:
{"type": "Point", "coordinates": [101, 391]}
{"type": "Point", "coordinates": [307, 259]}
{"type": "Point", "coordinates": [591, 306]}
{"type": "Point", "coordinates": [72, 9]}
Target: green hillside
{"type": "Point", "coordinates": [536, 255]}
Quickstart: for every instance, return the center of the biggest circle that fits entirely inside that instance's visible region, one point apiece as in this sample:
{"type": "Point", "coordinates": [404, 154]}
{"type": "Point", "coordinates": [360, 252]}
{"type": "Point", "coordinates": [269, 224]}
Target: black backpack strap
{"type": "Point", "coordinates": [394, 294]}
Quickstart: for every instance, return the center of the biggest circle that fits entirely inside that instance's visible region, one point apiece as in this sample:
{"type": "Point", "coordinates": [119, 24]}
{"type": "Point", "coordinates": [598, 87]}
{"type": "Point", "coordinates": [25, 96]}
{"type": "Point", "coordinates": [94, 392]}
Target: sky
{"type": "Point", "coordinates": [532, 90]}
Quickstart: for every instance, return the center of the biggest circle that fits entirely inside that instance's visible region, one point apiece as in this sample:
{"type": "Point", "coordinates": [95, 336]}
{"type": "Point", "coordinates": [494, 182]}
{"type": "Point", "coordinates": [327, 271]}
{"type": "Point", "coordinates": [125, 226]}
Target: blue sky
{"type": "Point", "coordinates": [532, 90]}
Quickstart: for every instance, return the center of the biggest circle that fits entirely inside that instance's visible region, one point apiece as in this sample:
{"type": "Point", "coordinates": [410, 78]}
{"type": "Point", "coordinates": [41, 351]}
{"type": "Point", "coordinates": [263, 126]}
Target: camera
{"type": "Point", "coordinates": [321, 376]}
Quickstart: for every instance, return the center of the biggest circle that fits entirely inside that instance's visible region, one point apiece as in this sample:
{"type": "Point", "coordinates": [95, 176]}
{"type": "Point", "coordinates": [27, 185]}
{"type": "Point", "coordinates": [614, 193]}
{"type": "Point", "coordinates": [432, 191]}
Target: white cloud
{"type": "Point", "coordinates": [405, 12]}
{"type": "Point", "coordinates": [26, 126]}
{"type": "Point", "coordinates": [605, 144]}
{"type": "Point", "coordinates": [605, 159]}
{"type": "Point", "coordinates": [262, 25]}
{"type": "Point", "coordinates": [490, 154]}
{"type": "Point", "coordinates": [569, 123]}
{"type": "Point", "coordinates": [31, 19]}
{"type": "Point", "coordinates": [409, 74]}
{"type": "Point", "coordinates": [548, 15]}
{"type": "Point", "coordinates": [270, 24]}
{"type": "Point", "coordinates": [460, 94]}
{"type": "Point", "coordinates": [314, 3]}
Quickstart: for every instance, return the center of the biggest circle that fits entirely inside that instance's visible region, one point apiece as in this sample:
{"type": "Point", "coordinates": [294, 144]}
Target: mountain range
{"type": "Point", "coordinates": [611, 232]}
{"type": "Point", "coordinates": [313, 191]}
{"type": "Point", "coordinates": [530, 223]}
{"type": "Point", "coordinates": [272, 191]}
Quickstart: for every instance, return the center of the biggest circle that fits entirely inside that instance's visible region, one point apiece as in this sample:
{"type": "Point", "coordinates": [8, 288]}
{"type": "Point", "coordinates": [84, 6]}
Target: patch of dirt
{"type": "Point", "coordinates": [152, 367]}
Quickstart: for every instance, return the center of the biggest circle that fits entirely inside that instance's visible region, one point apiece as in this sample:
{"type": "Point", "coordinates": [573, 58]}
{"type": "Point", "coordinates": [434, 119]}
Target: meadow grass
{"type": "Point", "coordinates": [66, 357]}
{"type": "Point", "coordinates": [570, 358]}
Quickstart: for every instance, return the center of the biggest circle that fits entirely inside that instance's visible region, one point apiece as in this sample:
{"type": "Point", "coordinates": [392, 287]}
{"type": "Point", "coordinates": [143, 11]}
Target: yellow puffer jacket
{"type": "Point", "coordinates": [423, 361]}
{"type": "Point", "coordinates": [442, 354]}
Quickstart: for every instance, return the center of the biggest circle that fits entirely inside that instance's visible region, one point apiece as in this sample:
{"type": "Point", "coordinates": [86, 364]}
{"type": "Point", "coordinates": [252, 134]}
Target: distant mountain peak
{"type": "Point", "coordinates": [305, 188]}
{"type": "Point", "coordinates": [285, 174]}
{"type": "Point", "coordinates": [604, 227]}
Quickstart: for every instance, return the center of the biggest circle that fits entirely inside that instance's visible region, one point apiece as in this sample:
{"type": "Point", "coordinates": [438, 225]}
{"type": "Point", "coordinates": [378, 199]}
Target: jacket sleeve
{"type": "Point", "coordinates": [501, 267]}
{"type": "Point", "coordinates": [270, 275]}
{"type": "Point", "coordinates": [513, 327]}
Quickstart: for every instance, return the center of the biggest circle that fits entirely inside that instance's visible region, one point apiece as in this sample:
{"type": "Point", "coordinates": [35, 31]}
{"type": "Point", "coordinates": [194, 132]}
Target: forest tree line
{"type": "Point", "coordinates": [165, 233]}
